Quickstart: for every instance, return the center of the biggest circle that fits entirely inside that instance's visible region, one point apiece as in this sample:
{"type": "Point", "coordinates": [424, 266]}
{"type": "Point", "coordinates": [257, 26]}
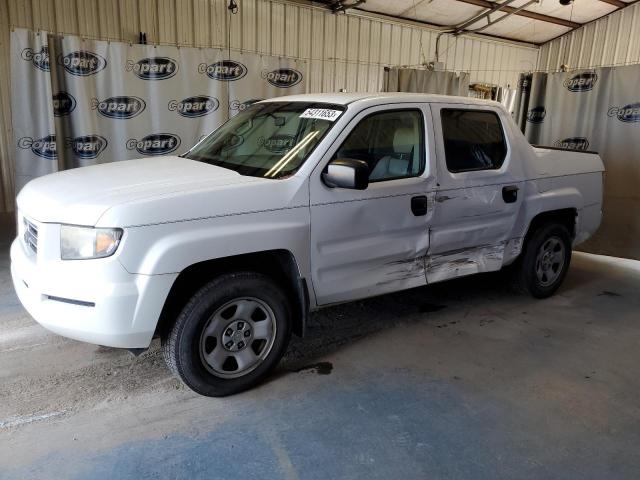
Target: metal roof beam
{"type": "Point", "coordinates": [504, 17]}
{"type": "Point", "coordinates": [615, 3]}
{"type": "Point", "coordinates": [496, 7]}
{"type": "Point", "coordinates": [524, 13]}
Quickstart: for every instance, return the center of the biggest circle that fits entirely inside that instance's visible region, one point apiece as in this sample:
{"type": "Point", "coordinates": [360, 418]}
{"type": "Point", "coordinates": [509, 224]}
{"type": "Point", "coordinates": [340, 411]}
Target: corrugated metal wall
{"type": "Point", "coordinates": [612, 40]}
{"type": "Point", "coordinates": [343, 51]}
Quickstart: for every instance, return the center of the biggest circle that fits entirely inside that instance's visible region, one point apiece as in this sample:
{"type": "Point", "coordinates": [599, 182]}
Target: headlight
{"type": "Point", "coordinates": [81, 243]}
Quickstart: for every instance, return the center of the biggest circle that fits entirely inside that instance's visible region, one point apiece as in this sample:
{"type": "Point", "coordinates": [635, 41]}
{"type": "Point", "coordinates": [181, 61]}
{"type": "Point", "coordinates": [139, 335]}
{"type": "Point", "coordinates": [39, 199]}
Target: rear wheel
{"type": "Point", "coordinates": [544, 261]}
{"type": "Point", "coordinates": [229, 335]}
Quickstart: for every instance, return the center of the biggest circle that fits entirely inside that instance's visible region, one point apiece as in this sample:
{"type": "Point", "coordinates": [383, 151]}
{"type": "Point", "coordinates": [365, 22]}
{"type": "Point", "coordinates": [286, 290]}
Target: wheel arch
{"type": "Point", "coordinates": [567, 217]}
{"type": "Point", "coordinates": [279, 265]}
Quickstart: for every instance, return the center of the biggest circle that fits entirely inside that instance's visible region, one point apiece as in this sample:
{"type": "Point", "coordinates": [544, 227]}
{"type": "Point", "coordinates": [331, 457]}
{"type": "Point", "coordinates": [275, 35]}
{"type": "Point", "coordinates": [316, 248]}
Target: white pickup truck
{"type": "Point", "coordinates": [294, 204]}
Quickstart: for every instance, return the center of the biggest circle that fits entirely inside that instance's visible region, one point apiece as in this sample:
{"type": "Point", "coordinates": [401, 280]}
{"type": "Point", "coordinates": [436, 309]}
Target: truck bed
{"type": "Point", "coordinates": [555, 162]}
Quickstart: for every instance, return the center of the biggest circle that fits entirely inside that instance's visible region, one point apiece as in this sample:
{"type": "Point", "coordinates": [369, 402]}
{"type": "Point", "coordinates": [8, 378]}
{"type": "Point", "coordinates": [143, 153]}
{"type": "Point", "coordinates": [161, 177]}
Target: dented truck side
{"type": "Point", "coordinates": [371, 242]}
{"type": "Point", "coordinates": [398, 191]}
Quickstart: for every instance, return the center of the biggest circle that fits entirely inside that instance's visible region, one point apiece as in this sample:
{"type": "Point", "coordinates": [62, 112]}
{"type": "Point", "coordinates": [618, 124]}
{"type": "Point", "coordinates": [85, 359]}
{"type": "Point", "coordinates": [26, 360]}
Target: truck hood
{"type": "Point", "coordinates": [136, 192]}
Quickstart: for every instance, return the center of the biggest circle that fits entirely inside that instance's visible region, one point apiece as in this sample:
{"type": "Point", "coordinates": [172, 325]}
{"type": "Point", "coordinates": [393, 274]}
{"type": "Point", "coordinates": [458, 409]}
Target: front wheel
{"type": "Point", "coordinates": [230, 334]}
{"type": "Point", "coordinates": [544, 261]}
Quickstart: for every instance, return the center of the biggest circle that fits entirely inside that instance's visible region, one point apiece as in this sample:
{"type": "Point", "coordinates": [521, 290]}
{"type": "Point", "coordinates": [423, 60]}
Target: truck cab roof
{"type": "Point", "coordinates": [381, 98]}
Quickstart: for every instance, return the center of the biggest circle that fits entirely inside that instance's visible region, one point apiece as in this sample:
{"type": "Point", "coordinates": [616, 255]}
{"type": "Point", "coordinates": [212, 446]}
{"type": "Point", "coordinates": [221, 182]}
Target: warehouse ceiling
{"type": "Point", "coordinates": [533, 21]}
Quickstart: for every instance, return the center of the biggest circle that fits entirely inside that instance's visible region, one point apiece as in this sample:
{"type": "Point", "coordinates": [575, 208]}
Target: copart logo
{"type": "Point", "coordinates": [63, 104]}
{"type": "Point", "coordinates": [278, 143]}
{"type": "Point", "coordinates": [119, 107]}
{"type": "Point", "coordinates": [581, 82]}
{"type": "Point", "coordinates": [154, 144]}
{"type": "Point", "coordinates": [282, 77]}
{"type": "Point", "coordinates": [629, 113]}
{"type": "Point", "coordinates": [573, 143]}
{"type": "Point", "coordinates": [39, 59]}
{"type": "Point", "coordinates": [154, 68]}
{"type": "Point", "coordinates": [536, 115]}
{"type": "Point", "coordinates": [225, 70]}
{"type": "Point", "coordinates": [82, 63]}
{"type": "Point", "coordinates": [196, 106]}
{"type": "Point", "coordinates": [237, 105]}
{"type": "Point", "coordinates": [232, 141]}
{"type": "Point", "coordinates": [44, 147]}
{"type": "Point", "coordinates": [87, 146]}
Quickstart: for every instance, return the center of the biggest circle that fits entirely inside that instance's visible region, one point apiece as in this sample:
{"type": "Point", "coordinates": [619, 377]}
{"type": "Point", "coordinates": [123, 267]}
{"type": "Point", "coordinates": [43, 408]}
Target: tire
{"type": "Point", "coordinates": [230, 335]}
{"type": "Point", "coordinates": [544, 261]}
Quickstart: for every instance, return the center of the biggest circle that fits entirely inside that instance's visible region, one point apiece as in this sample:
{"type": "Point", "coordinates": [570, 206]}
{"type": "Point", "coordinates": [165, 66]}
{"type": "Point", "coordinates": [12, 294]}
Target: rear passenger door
{"type": "Point", "coordinates": [479, 193]}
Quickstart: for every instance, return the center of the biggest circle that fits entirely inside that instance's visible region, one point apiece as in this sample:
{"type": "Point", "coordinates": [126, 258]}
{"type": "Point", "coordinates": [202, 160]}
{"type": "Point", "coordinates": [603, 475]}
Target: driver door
{"type": "Point", "coordinates": [374, 241]}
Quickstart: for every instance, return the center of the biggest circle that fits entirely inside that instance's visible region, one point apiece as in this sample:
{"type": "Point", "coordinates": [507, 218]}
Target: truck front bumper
{"type": "Point", "coordinates": [95, 301]}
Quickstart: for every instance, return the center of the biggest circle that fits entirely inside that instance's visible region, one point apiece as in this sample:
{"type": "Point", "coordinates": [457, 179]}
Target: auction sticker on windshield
{"type": "Point", "coordinates": [321, 113]}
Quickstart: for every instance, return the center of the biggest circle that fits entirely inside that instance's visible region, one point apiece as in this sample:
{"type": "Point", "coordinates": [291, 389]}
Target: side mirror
{"type": "Point", "coordinates": [347, 173]}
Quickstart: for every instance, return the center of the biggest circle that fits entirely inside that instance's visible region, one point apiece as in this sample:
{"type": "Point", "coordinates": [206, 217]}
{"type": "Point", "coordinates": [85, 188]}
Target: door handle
{"type": "Point", "coordinates": [510, 193]}
{"type": "Point", "coordinates": [419, 205]}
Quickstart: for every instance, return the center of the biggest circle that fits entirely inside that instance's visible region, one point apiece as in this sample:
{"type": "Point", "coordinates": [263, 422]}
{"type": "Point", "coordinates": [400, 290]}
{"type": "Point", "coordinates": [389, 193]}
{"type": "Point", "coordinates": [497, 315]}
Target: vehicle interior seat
{"type": "Point", "coordinates": [404, 158]}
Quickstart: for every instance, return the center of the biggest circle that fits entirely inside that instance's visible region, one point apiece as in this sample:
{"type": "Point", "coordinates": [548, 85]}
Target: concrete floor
{"type": "Point", "coordinates": [458, 380]}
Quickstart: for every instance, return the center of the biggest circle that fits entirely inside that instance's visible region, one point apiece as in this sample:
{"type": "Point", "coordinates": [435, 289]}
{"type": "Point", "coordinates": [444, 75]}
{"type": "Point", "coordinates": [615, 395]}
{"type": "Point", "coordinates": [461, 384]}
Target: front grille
{"type": "Point", "coordinates": [30, 235]}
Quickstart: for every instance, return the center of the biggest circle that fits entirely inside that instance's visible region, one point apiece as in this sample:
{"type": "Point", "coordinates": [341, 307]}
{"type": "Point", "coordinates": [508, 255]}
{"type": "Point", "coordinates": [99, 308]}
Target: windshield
{"type": "Point", "coordinates": [270, 140]}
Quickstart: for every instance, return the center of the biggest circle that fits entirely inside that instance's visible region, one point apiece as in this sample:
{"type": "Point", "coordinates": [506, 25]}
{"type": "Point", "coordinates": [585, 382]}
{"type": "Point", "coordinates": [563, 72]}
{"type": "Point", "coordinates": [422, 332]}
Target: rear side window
{"type": "Point", "coordinates": [473, 140]}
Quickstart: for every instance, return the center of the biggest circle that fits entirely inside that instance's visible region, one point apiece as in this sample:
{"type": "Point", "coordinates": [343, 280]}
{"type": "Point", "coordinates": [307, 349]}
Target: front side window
{"type": "Point", "coordinates": [391, 142]}
{"type": "Point", "coordinates": [269, 140]}
{"type": "Point", "coordinates": [473, 140]}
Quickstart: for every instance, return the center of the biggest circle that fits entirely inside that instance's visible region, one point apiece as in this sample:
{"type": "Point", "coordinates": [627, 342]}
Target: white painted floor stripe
{"type": "Point", "coordinates": [23, 347]}
{"type": "Point", "coordinates": [24, 419]}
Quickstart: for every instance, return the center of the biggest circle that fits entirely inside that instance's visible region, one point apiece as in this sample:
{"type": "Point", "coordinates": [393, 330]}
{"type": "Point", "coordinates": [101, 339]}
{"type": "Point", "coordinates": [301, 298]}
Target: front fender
{"type": "Point", "coordinates": [172, 247]}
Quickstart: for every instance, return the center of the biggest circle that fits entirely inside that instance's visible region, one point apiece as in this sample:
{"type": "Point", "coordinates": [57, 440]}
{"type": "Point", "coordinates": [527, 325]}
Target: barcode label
{"type": "Point", "coordinates": [321, 114]}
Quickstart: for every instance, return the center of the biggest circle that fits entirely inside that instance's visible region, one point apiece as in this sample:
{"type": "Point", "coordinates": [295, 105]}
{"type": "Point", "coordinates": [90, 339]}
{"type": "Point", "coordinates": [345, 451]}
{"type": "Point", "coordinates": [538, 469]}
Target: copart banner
{"type": "Point", "coordinates": [597, 110]}
{"type": "Point", "coordinates": [78, 102]}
